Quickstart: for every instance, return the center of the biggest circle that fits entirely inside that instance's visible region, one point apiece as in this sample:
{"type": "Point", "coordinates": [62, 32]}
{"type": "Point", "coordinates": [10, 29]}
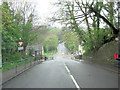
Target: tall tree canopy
{"type": "Point", "coordinates": [94, 14]}
{"type": "Point", "coordinates": [17, 22]}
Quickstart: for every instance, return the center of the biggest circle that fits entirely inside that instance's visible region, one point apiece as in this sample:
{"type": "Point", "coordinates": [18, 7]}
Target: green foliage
{"type": "Point", "coordinates": [31, 50]}
{"type": "Point", "coordinates": [58, 32]}
{"type": "Point", "coordinates": [8, 57]}
{"type": "Point", "coordinates": [41, 33]}
{"type": "Point", "coordinates": [73, 13]}
{"type": "Point", "coordinates": [28, 34]}
{"type": "Point", "coordinates": [45, 48]}
{"type": "Point", "coordinates": [9, 30]}
{"type": "Point", "coordinates": [96, 40]}
{"type": "Point", "coordinates": [13, 27]}
{"type": "Point", "coordinates": [50, 43]}
{"type": "Point", "coordinates": [50, 53]}
{"type": "Point", "coordinates": [71, 41]}
{"type": "Point", "coordinates": [14, 64]}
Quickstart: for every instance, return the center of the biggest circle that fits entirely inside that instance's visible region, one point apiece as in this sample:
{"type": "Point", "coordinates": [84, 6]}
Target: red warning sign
{"type": "Point", "coordinates": [116, 56]}
{"type": "Point", "coordinates": [20, 43]}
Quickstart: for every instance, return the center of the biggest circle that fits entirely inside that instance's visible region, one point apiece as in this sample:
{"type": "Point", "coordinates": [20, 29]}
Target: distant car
{"type": "Point", "coordinates": [45, 57]}
{"type": "Point", "coordinates": [117, 62]}
{"type": "Point", "coordinates": [60, 42]}
{"type": "Point", "coordinates": [78, 57]}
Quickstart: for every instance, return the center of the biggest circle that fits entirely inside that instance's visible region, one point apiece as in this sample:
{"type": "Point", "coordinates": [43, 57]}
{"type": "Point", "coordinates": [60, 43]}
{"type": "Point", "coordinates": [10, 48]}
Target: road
{"type": "Point", "coordinates": [62, 72]}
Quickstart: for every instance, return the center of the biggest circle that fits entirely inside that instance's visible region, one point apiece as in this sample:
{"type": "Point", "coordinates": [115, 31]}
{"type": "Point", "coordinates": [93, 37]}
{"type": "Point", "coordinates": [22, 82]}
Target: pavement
{"type": "Point", "coordinates": [63, 72]}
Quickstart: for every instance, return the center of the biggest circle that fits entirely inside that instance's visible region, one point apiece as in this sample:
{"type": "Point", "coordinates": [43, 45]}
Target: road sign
{"type": "Point", "coordinates": [115, 55]}
{"type": "Point", "coordinates": [20, 43]}
{"type": "Point", "coordinates": [79, 47]}
{"type": "Point", "coordinates": [20, 48]}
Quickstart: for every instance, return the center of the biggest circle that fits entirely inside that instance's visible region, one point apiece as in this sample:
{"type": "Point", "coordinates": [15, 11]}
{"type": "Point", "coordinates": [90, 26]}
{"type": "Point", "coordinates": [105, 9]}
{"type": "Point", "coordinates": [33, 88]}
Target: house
{"type": "Point", "coordinates": [31, 49]}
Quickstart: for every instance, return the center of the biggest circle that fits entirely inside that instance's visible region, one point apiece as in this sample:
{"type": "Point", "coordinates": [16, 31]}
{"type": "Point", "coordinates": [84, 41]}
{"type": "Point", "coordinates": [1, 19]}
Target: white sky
{"type": "Point", "coordinates": [45, 9]}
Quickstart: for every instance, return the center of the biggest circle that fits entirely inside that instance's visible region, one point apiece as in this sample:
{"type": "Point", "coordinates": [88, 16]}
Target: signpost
{"type": "Point", "coordinates": [20, 43]}
{"type": "Point", "coordinates": [80, 49]}
{"type": "Point", "coordinates": [119, 29]}
{"type": "Point", "coordinates": [20, 48]}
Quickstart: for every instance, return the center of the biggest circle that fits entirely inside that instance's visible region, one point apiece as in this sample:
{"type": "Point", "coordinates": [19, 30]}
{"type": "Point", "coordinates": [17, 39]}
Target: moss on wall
{"type": "Point", "coordinates": [104, 55]}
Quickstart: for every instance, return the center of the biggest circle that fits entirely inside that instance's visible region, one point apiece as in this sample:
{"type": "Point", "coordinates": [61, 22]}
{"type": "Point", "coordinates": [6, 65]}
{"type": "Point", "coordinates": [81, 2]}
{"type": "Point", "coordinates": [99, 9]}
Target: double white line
{"type": "Point", "coordinates": [73, 79]}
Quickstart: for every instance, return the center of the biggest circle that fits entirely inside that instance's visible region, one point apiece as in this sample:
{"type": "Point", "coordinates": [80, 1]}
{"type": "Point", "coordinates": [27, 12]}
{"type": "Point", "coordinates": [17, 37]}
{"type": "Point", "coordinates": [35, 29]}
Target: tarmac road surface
{"type": "Point", "coordinates": [62, 72]}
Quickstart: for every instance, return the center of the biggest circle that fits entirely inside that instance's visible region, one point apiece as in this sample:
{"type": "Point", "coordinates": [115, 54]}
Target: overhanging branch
{"type": "Point", "coordinates": [115, 31]}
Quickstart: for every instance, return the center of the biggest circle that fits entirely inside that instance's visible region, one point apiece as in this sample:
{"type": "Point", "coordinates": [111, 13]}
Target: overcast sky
{"type": "Point", "coordinates": [45, 9]}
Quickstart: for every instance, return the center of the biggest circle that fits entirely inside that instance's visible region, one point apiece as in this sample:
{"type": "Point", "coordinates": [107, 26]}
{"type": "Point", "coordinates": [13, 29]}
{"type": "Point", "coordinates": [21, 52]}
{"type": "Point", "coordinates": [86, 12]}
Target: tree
{"type": "Point", "coordinates": [26, 23]}
{"type": "Point", "coordinates": [73, 13]}
{"type": "Point", "coordinates": [115, 31]}
{"type": "Point", "coordinates": [14, 26]}
{"type": "Point", "coordinates": [50, 43]}
{"type": "Point", "coordinates": [42, 32]}
{"type": "Point", "coordinates": [9, 30]}
{"type": "Point", "coordinates": [71, 41]}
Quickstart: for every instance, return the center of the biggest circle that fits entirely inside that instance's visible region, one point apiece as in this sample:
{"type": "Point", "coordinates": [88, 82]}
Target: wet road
{"type": "Point", "coordinates": [62, 72]}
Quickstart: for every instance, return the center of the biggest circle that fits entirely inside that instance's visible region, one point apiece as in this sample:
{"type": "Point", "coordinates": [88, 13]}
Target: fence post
{"type": "Point", "coordinates": [30, 63]}
{"type": "Point", "coordinates": [16, 69]}
{"type": "Point", "coordinates": [25, 65]}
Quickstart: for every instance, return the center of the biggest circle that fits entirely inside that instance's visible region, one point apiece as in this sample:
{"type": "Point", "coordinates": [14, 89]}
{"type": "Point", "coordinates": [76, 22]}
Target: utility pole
{"type": "Point", "coordinates": [118, 28]}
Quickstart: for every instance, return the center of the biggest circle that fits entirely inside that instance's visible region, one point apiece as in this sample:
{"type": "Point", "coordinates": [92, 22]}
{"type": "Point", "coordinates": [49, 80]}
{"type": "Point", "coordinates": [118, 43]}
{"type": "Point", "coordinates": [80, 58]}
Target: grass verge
{"type": "Point", "coordinates": [50, 53]}
{"type": "Point", "coordinates": [12, 65]}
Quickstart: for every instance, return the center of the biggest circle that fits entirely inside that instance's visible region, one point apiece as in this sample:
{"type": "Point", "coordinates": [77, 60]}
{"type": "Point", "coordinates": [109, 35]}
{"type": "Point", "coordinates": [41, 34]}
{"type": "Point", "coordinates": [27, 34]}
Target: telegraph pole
{"type": "Point", "coordinates": [119, 29]}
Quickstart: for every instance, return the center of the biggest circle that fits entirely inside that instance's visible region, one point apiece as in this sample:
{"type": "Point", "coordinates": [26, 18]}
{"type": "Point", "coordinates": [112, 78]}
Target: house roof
{"type": "Point", "coordinates": [36, 47]}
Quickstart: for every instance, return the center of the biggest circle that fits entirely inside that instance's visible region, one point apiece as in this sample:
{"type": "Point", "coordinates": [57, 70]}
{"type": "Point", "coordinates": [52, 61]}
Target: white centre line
{"type": "Point", "coordinates": [67, 69]}
{"type": "Point", "coordinates": [73, 79]}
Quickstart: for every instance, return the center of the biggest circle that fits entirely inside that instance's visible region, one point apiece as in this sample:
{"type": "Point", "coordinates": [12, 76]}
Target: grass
{"type": "Point", "coordinates": [12, 65]}
{"type": "Point", "coordinates": [15, 63]}
{"type": "Point", "coordinates": [50, 53]}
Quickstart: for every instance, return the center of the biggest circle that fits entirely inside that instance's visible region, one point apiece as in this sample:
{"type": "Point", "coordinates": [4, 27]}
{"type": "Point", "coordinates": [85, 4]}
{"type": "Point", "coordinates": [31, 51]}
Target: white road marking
{"type": "Point", "coordinates": [67, 69]}
{"type": "Point", "coordinates": [75, 82]}
{"type": "Point", "coordinates": [73, 79]}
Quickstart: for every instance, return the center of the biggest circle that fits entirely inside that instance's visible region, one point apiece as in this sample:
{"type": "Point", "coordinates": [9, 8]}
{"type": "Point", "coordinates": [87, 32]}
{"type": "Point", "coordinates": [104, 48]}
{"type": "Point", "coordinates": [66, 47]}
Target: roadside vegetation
{"type": "Point", "coordinates": [71, 41]}
{"type": "Point", "coordinates": [99, 18]}
{"type": "Point", "coordinates": [19, 20]}
{"type": "Point", "coordinates": [50, 53]}
{"type": "Point", "coordinates": [16, 24]}
{"type": "Point", "coordinates": [16, 63]}
{"type": "Point", "coordinates": [50, 43]}
{"type": "Point", "coordinates": [48, 37]}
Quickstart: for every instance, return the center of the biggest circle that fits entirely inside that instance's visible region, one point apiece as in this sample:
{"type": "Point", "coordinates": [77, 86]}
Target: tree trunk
{"type": "Point", "coordinates": [115, 31]}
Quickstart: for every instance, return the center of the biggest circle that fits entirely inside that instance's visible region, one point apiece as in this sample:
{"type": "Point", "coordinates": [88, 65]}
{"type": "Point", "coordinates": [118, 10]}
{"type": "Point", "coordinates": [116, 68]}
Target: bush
{"type": "Point", "coordinates": [71, 41]}
{"type": "Point", "coordinates": [8, 57]}
{"type": "Point", "coordinates": [50, 43]}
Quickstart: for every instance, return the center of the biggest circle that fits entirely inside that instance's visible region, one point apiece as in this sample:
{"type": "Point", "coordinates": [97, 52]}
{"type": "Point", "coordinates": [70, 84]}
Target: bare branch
{"type": "Point", "coordinates": [115, 31]}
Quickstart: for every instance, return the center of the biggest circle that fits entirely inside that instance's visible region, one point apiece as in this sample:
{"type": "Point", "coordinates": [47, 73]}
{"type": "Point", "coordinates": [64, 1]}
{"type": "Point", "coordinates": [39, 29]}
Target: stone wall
{"type": "Point", "coordinates": [104, 55]}
{"type": "Point", "coordinates": [9, 74]}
